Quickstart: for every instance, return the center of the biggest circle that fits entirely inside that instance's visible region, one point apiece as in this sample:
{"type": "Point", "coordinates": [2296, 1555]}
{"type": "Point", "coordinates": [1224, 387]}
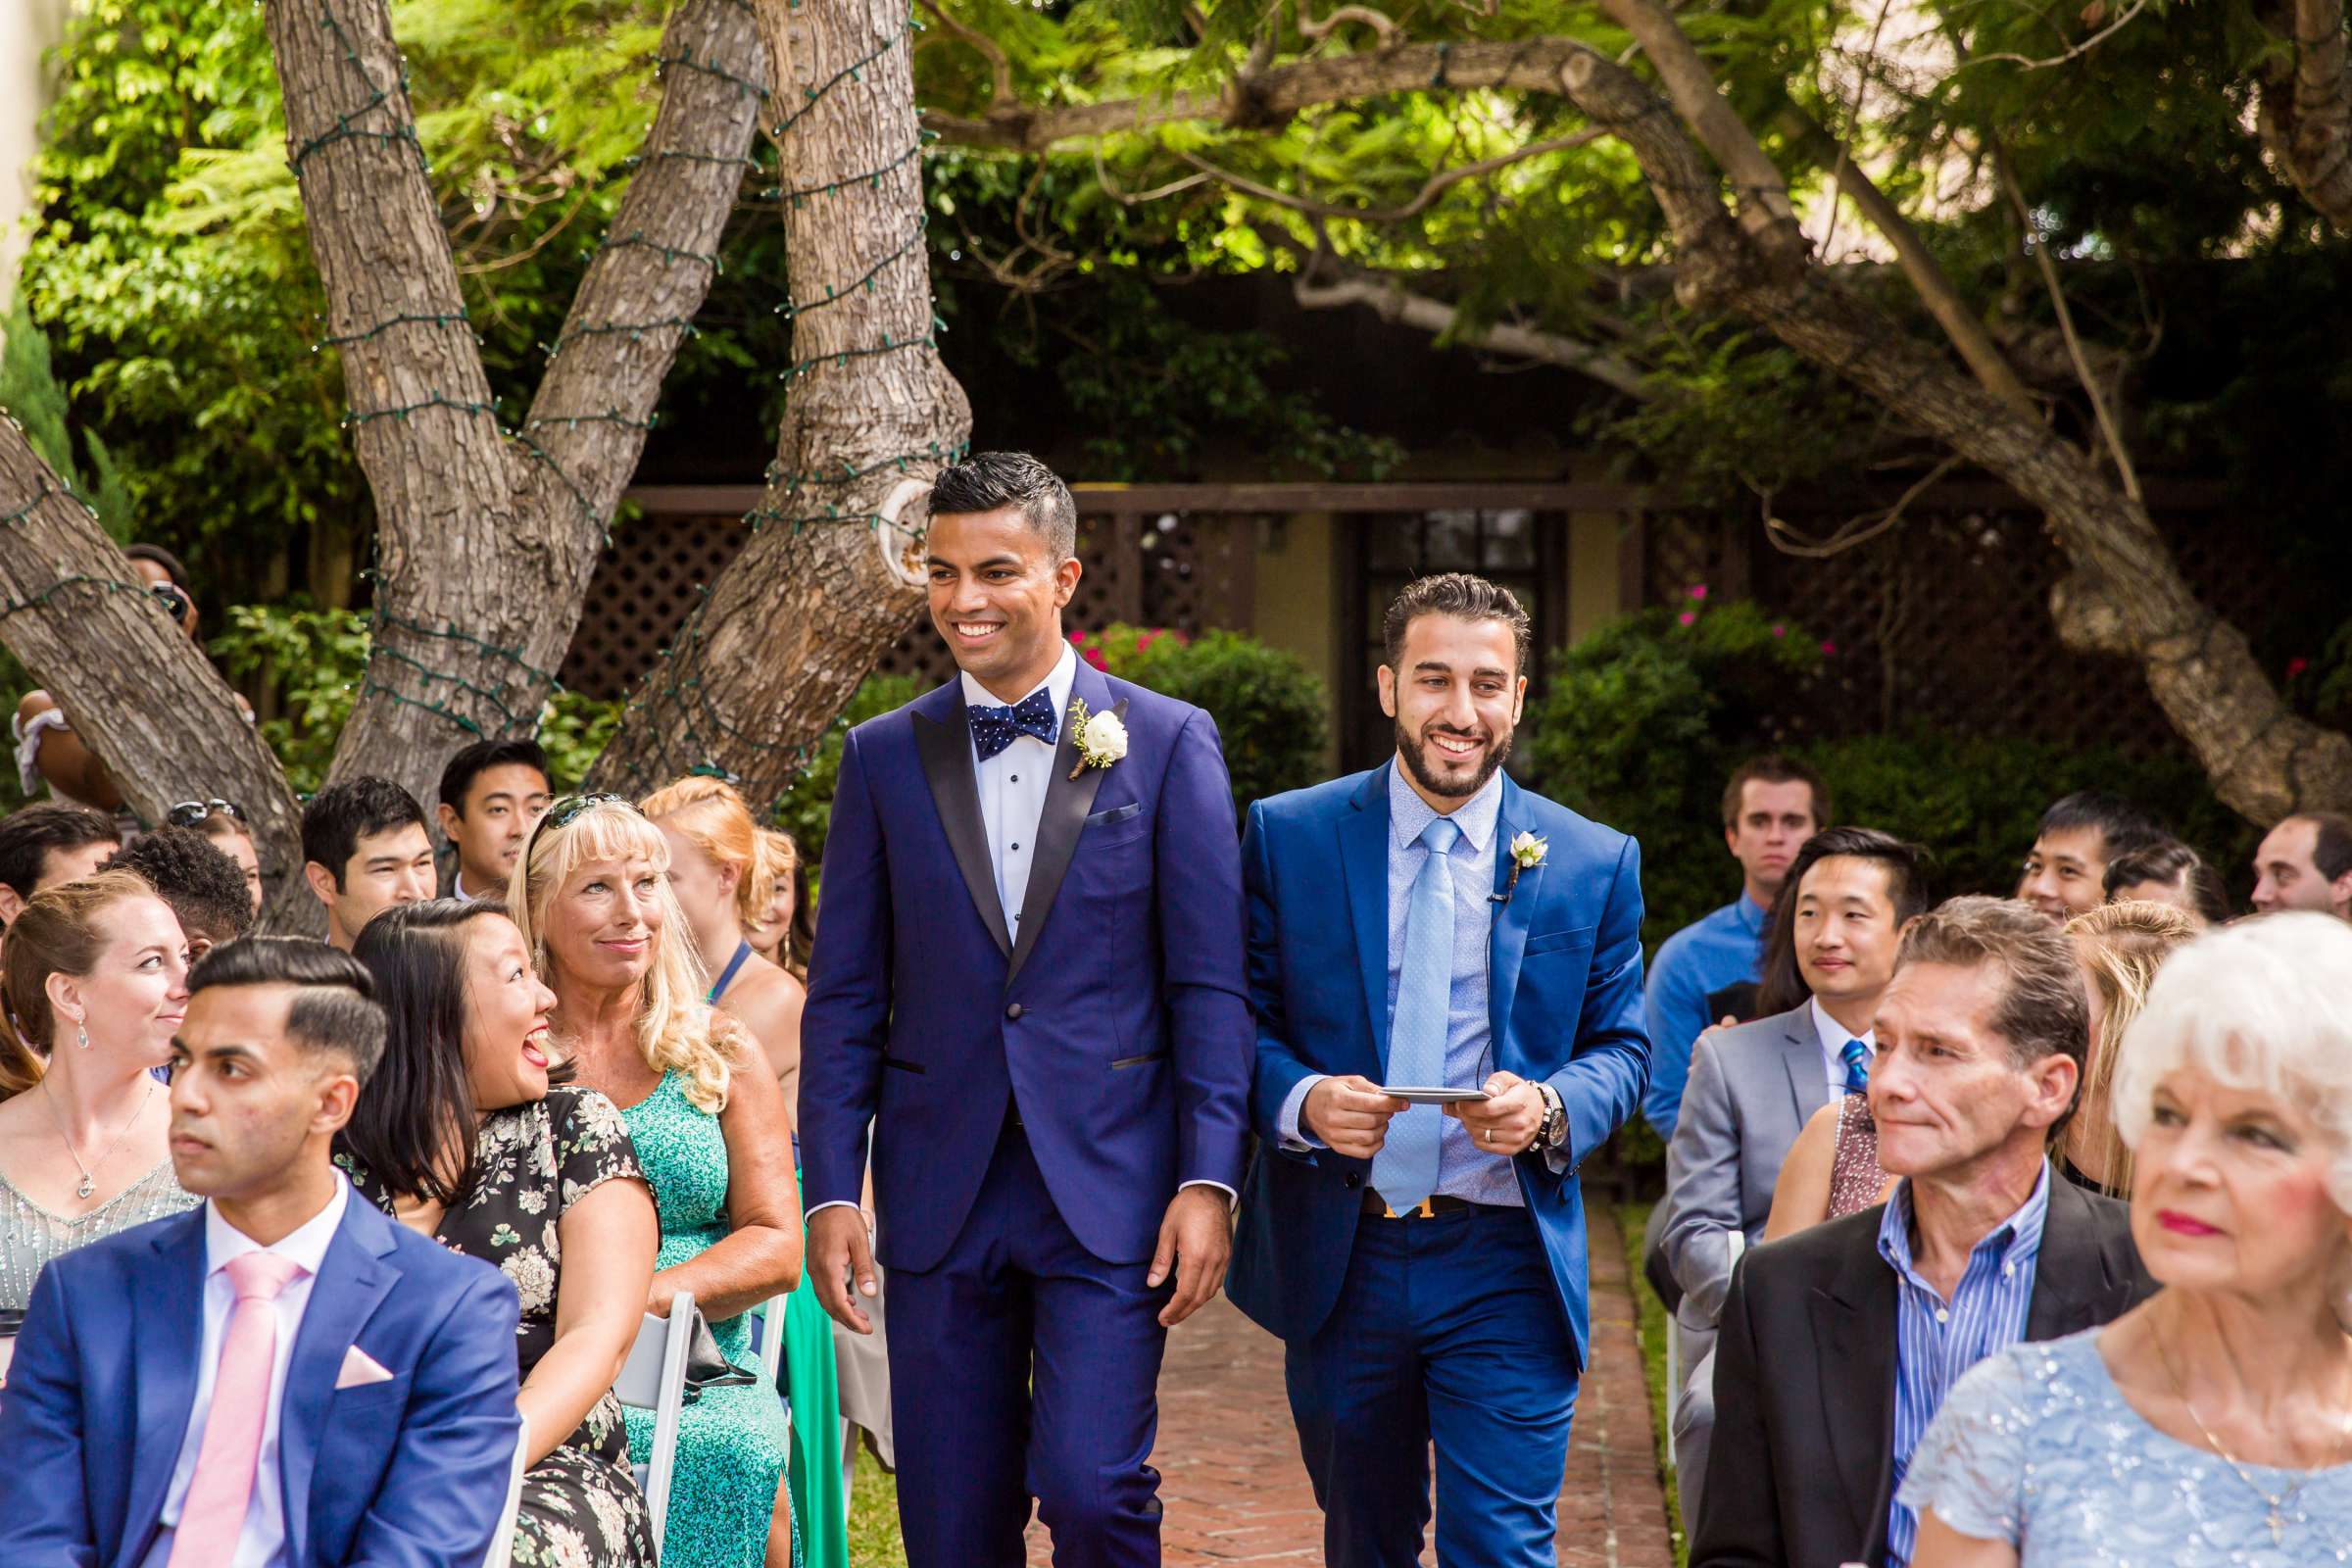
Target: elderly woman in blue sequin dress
{"type": "Point", "coordinates": [2212, 1423]}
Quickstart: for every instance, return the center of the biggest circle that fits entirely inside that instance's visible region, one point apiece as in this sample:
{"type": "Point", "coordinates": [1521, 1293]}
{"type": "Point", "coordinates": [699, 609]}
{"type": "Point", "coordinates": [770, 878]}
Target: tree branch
{"type": "Point", "coordinates": [1273, 96]}
{"type": "Point", "coordinates": [2305, 113]}
{"type": "Point", "coordinates": [999, 66]}
{"type": "Point", "coordinates": [1437, 185]}
{"type": "Point", "coordinates": [1377, 21]}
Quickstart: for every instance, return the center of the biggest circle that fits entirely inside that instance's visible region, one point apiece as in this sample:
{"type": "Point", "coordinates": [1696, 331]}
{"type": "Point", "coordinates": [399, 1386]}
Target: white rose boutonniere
{"type": "Point", "coordinates": [1527, 852]}
{"type": "Point", "coordinates": [1100, 738]}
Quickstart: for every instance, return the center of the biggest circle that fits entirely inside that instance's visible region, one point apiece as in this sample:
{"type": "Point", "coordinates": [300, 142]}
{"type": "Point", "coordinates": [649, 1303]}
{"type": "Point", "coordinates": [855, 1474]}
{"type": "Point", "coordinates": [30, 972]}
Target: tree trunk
{"type": "Point", "coordinates": [135, 689]}
{"type": "Point", "coordinates": [487, 538]}
{"type": "Point", "coordinates": [831, 575]}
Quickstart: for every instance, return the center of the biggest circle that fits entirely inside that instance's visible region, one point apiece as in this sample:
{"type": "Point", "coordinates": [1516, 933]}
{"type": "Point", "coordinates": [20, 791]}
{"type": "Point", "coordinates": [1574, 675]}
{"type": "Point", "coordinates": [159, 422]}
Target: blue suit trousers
{"type": "Point", "coordinates": [1448, 1329]}
{"type": "Point", "coordinates": [1024, 1366]}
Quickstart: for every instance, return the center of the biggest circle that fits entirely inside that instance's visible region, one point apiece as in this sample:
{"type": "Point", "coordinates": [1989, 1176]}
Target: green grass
{"type": "Point", "coordinates": [874, 1517]}
{"type": "Point", "coordinates": [1650, 1324]}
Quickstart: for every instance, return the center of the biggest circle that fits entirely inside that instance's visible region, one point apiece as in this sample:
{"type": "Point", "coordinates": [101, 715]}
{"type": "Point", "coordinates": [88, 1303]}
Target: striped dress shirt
{"type": "Point", "coordinates": [1936, 1341]}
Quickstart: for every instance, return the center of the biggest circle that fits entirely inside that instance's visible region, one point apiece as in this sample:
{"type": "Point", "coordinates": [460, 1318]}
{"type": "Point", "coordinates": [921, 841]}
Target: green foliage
{"type": "Point", "coordinates": [1644, 719]}
{"type": "Point", "coordinates": [1640, 722]}
{"type": "Point", "coordinates": [307, 664]}
{"type": "Point", "coordinates": [805, 808]}
{"type": "Point", "coordinates": [1270, 708]}
{"type": "Point", "coordinates": [30, 392]}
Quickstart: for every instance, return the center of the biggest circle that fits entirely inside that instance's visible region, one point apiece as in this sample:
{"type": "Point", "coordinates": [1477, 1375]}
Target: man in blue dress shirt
{"type": "Point", "coordinates": [1430, 924]}
{"type": "Point", "coordinates": [1771, 807]}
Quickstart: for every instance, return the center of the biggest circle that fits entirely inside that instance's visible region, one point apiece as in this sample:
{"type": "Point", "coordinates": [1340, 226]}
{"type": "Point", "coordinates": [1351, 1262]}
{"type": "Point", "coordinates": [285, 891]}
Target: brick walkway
{"type": "Point", "coordinates": [1236, 1492]}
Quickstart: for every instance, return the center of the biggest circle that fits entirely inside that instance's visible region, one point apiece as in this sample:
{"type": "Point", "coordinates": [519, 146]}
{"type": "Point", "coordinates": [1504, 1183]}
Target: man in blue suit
{"type": "Point", "coordinates": [283, 1376]}
{"type": "Point", "coordinates": [1431, 925]}
{"type": "Point", "coordinates": [1028, 982]}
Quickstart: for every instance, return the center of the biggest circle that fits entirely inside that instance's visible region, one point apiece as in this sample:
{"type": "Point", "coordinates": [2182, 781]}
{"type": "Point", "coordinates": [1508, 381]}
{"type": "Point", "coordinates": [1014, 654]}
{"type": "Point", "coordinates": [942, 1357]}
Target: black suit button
{"type": "Point", "coordinates": [1353, 1180]}
{"type": "Point", "coordinates": [1013, 1010]}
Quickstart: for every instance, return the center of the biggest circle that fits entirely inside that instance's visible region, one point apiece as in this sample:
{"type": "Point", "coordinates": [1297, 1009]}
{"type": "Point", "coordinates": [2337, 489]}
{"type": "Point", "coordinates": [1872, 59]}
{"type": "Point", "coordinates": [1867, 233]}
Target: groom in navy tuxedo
{"type": "Point", "coordinates": [1028, 983]}
{"type": "Point", "coordinates": [1430, 924]}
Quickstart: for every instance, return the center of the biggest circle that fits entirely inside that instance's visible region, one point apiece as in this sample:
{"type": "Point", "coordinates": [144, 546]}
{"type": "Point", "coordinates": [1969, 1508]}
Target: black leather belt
{"type": "Point", "coordinates": [1436, 1204]}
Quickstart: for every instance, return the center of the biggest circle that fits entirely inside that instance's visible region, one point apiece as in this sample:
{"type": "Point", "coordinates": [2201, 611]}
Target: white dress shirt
{"type": "Point", "coordinates": [1834, 1036]}
{"type": "Point", "coordinates": [263, 1541]}
{"type": "Point", "coordinates": [1013, 785]}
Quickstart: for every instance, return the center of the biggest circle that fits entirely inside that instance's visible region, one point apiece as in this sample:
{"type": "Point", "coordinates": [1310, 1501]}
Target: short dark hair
{"type": "Point", "coordinates": [481, 756]}
{"type": "Point", "coordinates": [162, 558]}
{"type": "Point", "coordinates": [29, 833]}
{"type": "Point", "coordinates": [1908, 868]}
{"type": "Point", "coordinates": [990, 481]}
{"type": "Point", "coordinates": [2043, 1010]}
{"type": "Point", "coordinates": [1462, 596]}
{"type": "Point", "coordinates": [205, 888]}
{"type": "Point", "coordinates": [419, 1100]}
{"type": "Point", "coordinates": [1774, 768]}
{"type": "Point", "coordinates": [333, 1008]}
{"type": "Point", "coordinates": [2174, 864]}
{"type": "Point", "coordinates": [2123, 826]}
{"type": "Point", "coordinates": [2330, 840]}
{"type": "Point", "coordinates": [341, 814]}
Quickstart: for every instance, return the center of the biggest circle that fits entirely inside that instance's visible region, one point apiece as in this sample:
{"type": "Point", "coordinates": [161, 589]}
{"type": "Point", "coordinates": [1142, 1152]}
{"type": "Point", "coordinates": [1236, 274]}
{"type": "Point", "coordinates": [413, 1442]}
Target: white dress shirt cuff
{"type": "Point", "coordinates": [1295, 1138]}
{"type": "Point", "coordinates": [819, 1209]}
{"type": "Point", "coordinates": [1232, 1199]}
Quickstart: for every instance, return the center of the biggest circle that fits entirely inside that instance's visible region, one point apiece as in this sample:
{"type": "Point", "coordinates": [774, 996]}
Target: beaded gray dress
{"type": "Point", "coordinates": [30, 1236]}
{"type": "Point", "coordinates": [2037, 1446]}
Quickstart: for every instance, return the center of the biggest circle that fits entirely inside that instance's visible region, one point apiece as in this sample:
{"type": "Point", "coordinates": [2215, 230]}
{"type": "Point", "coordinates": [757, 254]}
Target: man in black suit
{"type": "Point", "coordinates": [1838, 1344]}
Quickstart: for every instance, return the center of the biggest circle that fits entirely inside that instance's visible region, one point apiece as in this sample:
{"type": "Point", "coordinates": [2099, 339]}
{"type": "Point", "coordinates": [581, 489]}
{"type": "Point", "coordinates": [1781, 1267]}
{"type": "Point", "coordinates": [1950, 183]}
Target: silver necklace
{"type": "Point", "coordinates": [2277, 1502]}
{"type": "Point", "coordinates": [89, 1182]}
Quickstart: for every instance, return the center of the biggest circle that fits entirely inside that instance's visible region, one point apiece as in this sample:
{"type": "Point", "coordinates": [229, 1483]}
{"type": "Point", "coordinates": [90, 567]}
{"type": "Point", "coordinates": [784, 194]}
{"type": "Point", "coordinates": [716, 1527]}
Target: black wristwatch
{"type": "Point", "coordinates": [1554, 1134]}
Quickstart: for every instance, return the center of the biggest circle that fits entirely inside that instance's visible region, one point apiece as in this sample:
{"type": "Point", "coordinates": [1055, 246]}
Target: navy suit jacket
{"type": "Point", "coordinates": [1563, 982]}
{"type": "Point", "coordinates": [409, 1473]}
{"type": "Point", "coordinates": [1118, 1022]}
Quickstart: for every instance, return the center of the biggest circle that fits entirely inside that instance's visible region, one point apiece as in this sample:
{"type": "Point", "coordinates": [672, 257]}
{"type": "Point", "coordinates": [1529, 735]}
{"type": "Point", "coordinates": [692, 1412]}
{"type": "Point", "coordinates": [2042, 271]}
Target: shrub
{"type": "Point", "coordinates": [1272, 713]}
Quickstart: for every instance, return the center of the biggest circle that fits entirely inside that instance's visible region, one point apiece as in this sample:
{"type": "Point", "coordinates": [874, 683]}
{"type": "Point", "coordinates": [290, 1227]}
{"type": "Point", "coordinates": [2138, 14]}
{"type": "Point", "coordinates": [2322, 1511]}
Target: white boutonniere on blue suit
{"type": "Point", "coordinates": [1100, 738]}
{"type": "Point", "coordinates": [1527, 851]}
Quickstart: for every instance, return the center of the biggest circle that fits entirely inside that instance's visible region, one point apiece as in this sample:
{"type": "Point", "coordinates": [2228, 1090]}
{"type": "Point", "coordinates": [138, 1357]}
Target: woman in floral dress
{"type": "Point", "coordinates": [460, 1136]}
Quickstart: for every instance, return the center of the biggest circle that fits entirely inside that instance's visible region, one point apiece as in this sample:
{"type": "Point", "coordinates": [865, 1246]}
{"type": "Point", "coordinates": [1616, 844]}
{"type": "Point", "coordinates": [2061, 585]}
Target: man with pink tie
{"type": "Point", "coordinates": [281, 1377]}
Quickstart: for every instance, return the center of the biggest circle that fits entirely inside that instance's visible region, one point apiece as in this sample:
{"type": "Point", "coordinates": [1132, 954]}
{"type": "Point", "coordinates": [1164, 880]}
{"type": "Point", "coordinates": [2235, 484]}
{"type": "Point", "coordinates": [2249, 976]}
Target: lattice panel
{"type": "Point", "coordinates": [644, 583]}
{"type": "Point", "coordinates": [1945, 621]}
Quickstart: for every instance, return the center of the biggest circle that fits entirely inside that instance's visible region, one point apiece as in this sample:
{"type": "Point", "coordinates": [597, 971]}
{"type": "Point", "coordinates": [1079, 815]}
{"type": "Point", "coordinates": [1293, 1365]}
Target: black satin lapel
{"type": "Point", "coordinates": [947, 753]}
{"type": "Point", "coordinates": [1067, 800]}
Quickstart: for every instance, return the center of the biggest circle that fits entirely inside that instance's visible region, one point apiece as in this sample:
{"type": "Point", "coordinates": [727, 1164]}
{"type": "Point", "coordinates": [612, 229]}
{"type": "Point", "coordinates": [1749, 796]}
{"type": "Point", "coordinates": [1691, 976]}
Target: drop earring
{"type": "Point", "coordinates": [81, 1035]}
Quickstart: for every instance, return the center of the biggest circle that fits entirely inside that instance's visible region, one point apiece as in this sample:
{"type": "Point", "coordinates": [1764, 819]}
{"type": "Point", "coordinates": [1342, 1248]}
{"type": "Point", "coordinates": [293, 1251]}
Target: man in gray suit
{"type": "Point", "coordinates": [1752, 1088]}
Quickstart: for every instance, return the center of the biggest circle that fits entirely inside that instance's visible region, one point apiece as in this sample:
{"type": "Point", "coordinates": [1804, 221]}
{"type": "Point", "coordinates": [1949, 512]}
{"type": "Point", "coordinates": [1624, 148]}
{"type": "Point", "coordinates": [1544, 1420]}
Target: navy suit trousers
{"type": "Point", "coordinates": [1448, 1329]}
{"type": "Point", "coordinates": [1024, 1366]}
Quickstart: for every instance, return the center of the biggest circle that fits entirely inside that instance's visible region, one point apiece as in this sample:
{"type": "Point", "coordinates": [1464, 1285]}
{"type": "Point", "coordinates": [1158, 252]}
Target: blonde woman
{"type": "Point", "coordinates": [2121, 947]}
{"type": "Point", "coordinates": [723, 876]}
{"type": "Point", "coordinates": [591, 897]}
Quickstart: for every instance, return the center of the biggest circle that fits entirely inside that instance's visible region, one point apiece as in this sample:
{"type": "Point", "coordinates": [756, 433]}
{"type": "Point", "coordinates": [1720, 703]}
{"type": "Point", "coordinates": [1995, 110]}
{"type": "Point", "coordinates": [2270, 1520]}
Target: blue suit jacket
{"type": "Point", "coordinates": [1118, 1022]}
{"type": "Point", "coordinates": [410, 1473]}
{"type": "Point", "coordinates": [1564, 982]}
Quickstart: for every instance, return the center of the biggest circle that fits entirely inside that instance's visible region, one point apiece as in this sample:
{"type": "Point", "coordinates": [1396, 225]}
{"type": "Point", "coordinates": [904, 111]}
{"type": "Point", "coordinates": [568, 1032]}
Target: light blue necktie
{"type": "Point", "coordinates": [1856, 1056]}
{"type": "Point", "coordinates": [1405, 1171]}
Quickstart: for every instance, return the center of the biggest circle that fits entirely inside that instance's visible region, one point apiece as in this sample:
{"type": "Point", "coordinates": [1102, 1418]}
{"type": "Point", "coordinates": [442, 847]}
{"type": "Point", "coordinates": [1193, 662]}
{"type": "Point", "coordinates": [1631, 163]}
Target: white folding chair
{"type": "Point", "coordinates": [771, 1353]}
{"type": "Point", "coordinates": [653, 1378]}
{"type": "Point", "coordinates": [502, 1545]}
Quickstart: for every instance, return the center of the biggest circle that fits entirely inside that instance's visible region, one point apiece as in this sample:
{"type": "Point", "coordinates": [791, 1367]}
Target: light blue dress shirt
{"type": "Point", "coordinates": [1936, 1341]}
{"type": "Point", "coordinates": [1464, 1171]}
{"type": "Point", "coordinates": [1716, 951]}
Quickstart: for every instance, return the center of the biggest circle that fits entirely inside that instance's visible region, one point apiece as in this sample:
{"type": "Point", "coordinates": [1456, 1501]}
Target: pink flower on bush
{"type": "Point", "coordinates": [1688, 617]}
{"type": "Point", "coordinates": [1699, 590]}
{"type": "Point", "coordinates": [2296, 666]}
{"type": "Point", "coordinates": [1829, 648]}
{"type": "Point", "coordinates": [1780, 631]}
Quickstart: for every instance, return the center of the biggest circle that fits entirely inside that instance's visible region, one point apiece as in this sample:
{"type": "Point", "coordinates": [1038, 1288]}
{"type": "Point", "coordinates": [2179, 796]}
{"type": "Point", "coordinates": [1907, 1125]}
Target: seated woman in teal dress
{"type": "Point", "coordinates": [591, 896]}
{"type": "Point", "coordinates": [460, 1136]}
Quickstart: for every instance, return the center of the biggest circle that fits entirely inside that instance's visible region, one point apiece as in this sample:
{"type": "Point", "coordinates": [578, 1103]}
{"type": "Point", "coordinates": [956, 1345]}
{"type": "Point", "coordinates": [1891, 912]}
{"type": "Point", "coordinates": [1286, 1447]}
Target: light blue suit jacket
{"type": "Point", "coordinates": [1564, 990]}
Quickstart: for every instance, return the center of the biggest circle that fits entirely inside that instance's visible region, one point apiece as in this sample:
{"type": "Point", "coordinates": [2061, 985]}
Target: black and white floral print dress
{"type": "Point", "coordinates": [580, 1505]}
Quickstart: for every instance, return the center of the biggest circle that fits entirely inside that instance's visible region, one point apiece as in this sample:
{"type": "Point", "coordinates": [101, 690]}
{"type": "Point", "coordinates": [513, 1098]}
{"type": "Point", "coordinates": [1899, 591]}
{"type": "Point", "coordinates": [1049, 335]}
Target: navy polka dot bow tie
{"type": "Point", "coordinates": [995, 728]}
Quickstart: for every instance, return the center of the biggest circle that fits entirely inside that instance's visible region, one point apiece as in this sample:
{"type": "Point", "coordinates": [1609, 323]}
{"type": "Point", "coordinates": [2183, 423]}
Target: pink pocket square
{"type": "Point", "coordinates": [359, 1369]}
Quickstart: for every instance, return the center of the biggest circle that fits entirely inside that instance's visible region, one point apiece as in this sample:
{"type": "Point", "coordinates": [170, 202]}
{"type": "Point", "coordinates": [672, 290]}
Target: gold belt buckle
{"type": "Point", "coordinates": [1421, 1211]}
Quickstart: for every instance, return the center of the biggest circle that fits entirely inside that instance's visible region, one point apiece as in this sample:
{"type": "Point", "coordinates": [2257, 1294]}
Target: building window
{"type": "Point", "coordinates": [1523, 551]}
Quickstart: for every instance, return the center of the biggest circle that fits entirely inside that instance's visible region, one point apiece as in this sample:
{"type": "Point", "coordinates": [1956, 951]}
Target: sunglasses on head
{"type": "Point", "coordinates": [563, 813]}
{"type": "Point", "coordinates": [187, 814]}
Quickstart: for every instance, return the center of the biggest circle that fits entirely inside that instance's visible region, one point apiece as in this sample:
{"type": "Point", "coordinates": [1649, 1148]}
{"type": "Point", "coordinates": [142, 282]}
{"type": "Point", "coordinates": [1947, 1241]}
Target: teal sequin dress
{"type": "Point", "coordinates": [733, 1444]}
